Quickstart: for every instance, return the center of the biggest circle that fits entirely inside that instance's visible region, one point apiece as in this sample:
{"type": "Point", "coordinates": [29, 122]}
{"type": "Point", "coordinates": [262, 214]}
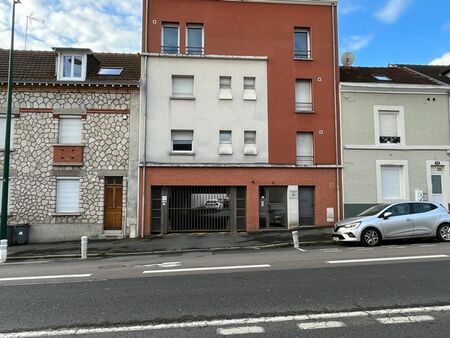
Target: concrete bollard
{"type": "Point", "coordinates": [3, 250]}
{"type": "Point", "coordinates": [84, 247]}
{"type": "Point", "coordinates": [295, 238]}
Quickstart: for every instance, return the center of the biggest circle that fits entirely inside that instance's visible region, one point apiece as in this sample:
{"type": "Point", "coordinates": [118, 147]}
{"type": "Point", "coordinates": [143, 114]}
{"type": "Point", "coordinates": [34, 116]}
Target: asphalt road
{"type": "Point", "coordinates": [323, 292]}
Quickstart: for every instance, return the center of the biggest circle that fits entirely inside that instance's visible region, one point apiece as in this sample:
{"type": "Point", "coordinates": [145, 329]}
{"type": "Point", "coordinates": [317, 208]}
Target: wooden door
{"type": "Point", "coordinates": [113, 203]}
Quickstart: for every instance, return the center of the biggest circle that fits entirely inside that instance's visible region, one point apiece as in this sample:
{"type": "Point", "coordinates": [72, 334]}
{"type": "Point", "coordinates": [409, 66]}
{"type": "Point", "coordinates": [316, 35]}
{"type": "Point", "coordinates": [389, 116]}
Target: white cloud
{"type": "Point", "coordinates": [392, 10]}
{"type": "Point", "coordinates": [349, 8]}
{"type": "Point", "coordinates": [356, 42]}
{"type": "Point", "coordinates": [102, 25]}
{"type": "Point", "coordinates": [443, 60]}
{"type": "Point", "coordinates": [446, 26]}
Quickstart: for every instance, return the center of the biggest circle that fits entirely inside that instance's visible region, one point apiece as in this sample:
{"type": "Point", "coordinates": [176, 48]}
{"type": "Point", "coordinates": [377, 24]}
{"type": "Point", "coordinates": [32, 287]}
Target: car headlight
{"type": "Point", "coordinates": [352, 225]}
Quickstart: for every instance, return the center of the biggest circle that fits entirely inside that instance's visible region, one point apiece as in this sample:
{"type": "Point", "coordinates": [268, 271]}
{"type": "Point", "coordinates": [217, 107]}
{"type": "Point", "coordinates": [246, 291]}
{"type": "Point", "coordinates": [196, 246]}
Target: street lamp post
{"type": "Point", "coordinates": [4, 210]}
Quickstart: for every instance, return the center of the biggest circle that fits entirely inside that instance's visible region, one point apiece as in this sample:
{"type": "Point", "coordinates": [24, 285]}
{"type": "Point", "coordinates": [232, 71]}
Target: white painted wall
{"type": "Point", "coordinates": [205, 115]}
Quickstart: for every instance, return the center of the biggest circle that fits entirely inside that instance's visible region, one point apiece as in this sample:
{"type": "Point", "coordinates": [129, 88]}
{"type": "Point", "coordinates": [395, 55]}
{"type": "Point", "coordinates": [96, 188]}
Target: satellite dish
{"type": "Point", "coordinates": [348, 59]}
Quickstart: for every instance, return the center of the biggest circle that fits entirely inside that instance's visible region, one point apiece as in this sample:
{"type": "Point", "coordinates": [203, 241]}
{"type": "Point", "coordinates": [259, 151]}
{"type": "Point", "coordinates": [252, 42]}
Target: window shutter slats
{"type": "Point", "coordinates": [70, 130]}
{"type": "Point", "coordinates": [390, 180]}
{"type": "Point", "coordinates": [68, 195]}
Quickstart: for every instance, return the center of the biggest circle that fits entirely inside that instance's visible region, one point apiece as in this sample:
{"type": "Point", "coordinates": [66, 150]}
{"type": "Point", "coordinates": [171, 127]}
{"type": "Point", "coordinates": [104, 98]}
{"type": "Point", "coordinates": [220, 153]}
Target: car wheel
{"type": "Point", "coordinates": [443, 232]}
{"type": "Point", "coordinates": [371, 237]}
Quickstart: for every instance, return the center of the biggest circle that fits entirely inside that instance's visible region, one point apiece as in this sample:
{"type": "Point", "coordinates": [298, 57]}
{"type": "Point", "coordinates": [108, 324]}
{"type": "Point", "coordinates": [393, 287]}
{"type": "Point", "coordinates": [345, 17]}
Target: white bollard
{"type": "Point", "coordinates": [3, 250]}
{"type": "Point", "coordinates": [84, 247]}
{"type": "Point", "coordinates": [295, 238]}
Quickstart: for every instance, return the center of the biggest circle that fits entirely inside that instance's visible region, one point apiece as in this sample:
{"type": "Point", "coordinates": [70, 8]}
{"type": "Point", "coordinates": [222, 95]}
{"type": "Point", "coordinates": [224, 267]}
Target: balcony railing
{"type": "Point", "coordinates": [302, 54]}
{"type": "Point", "coordinates": [390, 139]}
{"type": "Point", "coordinates": [303, 106]}
{"type": "Point", "coordinates": [305, 161]}
{"type": "Point", "coordinates": [190, 50]}
{"type": "Point", "coordinates": [170, 49]}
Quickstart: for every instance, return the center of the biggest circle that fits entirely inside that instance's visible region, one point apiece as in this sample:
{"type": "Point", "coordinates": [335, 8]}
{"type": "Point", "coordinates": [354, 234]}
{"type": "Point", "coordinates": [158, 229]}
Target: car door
{"type": "Point", "coordinates": [425, 218]}
{"type": "Point", "coordinates": [400, 223]}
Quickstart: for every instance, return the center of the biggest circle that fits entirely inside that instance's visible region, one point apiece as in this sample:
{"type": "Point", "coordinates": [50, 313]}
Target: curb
{"type": "Point", "coordinates": [167, 252]}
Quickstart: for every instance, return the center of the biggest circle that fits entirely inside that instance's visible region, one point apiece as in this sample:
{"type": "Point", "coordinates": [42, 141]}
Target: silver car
{"type": "Point", "coordinates": [396, 220]}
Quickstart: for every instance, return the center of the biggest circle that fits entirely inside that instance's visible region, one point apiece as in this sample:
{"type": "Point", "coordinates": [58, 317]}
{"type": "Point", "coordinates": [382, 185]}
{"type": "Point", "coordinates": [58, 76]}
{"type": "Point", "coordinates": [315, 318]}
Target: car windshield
{"type": "Point", "coordinates": [373, 210]}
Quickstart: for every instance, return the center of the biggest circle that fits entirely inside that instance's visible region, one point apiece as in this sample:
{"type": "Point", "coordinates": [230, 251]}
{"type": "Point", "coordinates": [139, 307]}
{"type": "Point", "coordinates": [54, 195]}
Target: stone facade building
{"type": "Point", "coordinates": [73, 150]}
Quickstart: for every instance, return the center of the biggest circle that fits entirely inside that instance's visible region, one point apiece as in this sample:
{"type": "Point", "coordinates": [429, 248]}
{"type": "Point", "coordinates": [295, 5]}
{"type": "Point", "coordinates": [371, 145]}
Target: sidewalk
{"type": "Point", "coordinates": [173, 243]}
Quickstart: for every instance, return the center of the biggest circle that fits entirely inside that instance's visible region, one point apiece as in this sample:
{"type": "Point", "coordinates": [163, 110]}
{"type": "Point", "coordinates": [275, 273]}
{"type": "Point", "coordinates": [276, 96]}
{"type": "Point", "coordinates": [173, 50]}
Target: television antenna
{"type": "Point", "coordinates": [348, 59]}
{"type": "Point", "coordinates": [30, 19]}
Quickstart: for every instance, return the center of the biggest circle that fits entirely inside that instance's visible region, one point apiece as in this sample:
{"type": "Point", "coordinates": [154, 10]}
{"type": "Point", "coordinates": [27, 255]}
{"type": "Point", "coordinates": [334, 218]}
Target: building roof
{"type": "Point", "coordinates": [391, 75]}
{"type": "Point", "coordinates": [440, 73]}
{"type": "Point", "coordinates": [40, 67]}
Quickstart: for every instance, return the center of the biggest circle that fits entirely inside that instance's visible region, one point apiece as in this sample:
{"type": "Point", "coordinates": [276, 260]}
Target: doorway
{"type": "Point", "coordinates": [273, 208]}
{"type": "Point", "coordinates": [437, 184]}
{"type": "Point", "coordinates": [113, 203]}
{"type": "Point", "coordinates": [306, 205]}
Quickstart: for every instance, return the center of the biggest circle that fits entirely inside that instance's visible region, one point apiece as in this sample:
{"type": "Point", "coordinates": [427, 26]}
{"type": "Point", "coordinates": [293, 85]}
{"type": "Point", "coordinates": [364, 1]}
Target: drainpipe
{"type": "Point", "coordinates": [336, 122]}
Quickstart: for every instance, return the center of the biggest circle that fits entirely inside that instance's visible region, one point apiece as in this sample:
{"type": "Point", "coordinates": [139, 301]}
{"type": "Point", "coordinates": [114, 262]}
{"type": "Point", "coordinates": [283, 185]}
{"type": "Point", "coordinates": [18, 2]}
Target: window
{"type": "Point", "coordinates": [73, 67]}
{"type": "Point", "coordinates": [388, 127]}
{"type": "Point", "coordinates": [436, 184]}
{"type": "Point", "coordinates": [420, 208]}
{"type": "Point", "coordinates": [225, 147]}
{"type": "Point", "coordinates": [381, 77]}
{"type": "Point", "coordinates": [70, 130]}
{"type": "Point", "coordinates": [249, 88]}
{"type": "Point", "coordinates": [170, 39]}
{"type": "Point", "coordinates": [303, 97]}
{"type": "Point", "coordinates": [67, 195]}
{"type": "Point", "coordinates": [194, 40]}
{"type": "Point", "coordinates": [3, 132]}
{"type": "Point", "coordinates": [182, 86]}
{"type": "Point", "coordinates": [182, 140]}
{"type": "Point", "coordinates": [225, 88]}
{"type": "Point", "coordinates": [400, 209]}
{"type": "Point", "coordinates": [302, 44]}
{"type": "Point", "coordinates": [110, 71]}
{"type": "Point", "coordinates": [250, 147]}
{"type": "Point", "coordinates": [305, 149]}
{"type": "Point", "coordinates": [391, 182]}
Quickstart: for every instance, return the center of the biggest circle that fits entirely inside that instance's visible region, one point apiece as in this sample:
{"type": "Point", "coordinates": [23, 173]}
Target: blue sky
{"type": "Point", "coordinates": [378, 32]}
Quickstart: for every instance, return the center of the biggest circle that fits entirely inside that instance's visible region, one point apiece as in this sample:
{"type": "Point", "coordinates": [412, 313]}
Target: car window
{"type": "Point", "coordinates": [420, 208]}
{"type": "Point", "coordinates": [399, 209]}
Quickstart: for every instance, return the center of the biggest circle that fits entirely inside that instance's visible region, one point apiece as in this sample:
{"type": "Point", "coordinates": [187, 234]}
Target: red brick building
{"type": "Point", "coordinates": [240, 120]}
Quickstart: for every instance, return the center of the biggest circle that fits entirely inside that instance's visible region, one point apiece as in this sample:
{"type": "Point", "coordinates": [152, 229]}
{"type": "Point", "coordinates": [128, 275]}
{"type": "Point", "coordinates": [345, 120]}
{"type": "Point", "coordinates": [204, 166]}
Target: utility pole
{"type": "Point", "coordinates": [4, 210]}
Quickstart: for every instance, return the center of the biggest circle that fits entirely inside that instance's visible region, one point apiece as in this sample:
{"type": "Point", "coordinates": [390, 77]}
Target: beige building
{"type": "Point", "coordinates": [74, 153]}
{"type": "Point", "coordinates": [395, 137]}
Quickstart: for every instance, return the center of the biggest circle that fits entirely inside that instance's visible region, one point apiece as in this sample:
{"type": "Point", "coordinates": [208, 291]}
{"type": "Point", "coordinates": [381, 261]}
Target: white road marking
{"type": "Point", "coordinates": [320, 325]}
{"type": "Point", "coordinates": [364, 249]}
{"type": "Point", "coordinates": [44, 277]}
{"type": "Point", "coordinates": [241, 330]}
{"type": "Point", "coordinates": [225, 322]}
{"type": "Point", "coordinates": [427, 245]}
{"type": "Point", "coordinates": [161, 265]}
{"type": "Point", "coordinates": [329, 250]}
{"type": "Point", "coordinates": [402, 320]}
{"type": "Point", "coordinates": [386, 259]}
{"type": "Point", "coordinates": [212, 268]}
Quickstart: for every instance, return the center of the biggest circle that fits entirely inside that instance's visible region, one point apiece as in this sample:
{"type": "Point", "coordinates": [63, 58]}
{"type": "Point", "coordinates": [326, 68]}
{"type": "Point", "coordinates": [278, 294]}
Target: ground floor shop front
{"type": "Point", "coordinates": [230, 199]}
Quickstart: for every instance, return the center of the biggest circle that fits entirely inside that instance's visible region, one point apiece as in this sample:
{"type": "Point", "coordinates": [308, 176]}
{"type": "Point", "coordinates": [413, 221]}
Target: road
{"type": "Point", "coordinates": [399, 290]}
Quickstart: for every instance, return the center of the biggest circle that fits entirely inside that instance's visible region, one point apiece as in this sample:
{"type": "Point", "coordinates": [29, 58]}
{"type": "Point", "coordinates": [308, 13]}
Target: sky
{"type": "Point", "coordinates": [378, 32]}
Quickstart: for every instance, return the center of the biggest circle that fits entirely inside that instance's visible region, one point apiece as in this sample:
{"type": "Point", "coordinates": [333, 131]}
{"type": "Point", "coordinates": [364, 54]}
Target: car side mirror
{"type": "Point", "coordinates": [386, 215]}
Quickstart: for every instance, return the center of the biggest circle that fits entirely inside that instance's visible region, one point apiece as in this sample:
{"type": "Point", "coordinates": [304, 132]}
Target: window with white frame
{"type": "Point", "coordinates": [249, 88]}
{"type": "Point", "coordinates": [305, 149]}
{"type": "Point", "coordinates": [389, 125]}
{"type": "Point", "coordinates": [225, 146]}
{"type": "Point", "coordinates": [302, 43]}
{"type": "Point", "coordinates": [3, 132]}
{"type": "Point", "coordinates": [170, 38]}
{"type": "Point", "coordinates": [182, 140]}
{"type": "Point", "coordinates": [72, 67]}
{"type": "Point", "coordinates": [225, 88]}
{"type": "Point", "coordinates": [67, 195]}
{"type": "Point", "coordinates": [182, 86]}
{"type": "Point", "coordinates": [391, 182]}
{"type": "Point", "coordinates": [250, 147]}
{"type": "Point", "coordinates": [70, 128]}
{"type": "Point", "coordinates": [303, 96]}
{"type": "Point", "coordinates": [194, 39]}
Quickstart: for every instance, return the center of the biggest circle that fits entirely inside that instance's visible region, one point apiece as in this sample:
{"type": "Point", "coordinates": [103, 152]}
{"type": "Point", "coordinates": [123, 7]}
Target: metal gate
{"type": "Point", "coordinates": [198, 209]}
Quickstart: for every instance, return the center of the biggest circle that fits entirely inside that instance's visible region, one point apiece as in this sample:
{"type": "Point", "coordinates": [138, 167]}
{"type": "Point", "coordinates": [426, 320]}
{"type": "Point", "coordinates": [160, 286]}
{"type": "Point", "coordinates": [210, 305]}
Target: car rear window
{"type": "Point", "coordinates": [420, 208]}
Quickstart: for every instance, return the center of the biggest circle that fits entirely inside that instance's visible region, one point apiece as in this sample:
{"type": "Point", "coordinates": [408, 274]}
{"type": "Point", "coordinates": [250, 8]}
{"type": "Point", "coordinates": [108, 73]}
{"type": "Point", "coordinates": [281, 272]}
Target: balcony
{"type": "Point", "coordinates": [305, 161]}
{"type": "Point", "coordinates": [72, 155]}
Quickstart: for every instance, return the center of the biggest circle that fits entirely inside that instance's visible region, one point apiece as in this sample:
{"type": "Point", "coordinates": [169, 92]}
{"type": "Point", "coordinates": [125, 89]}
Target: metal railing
{"type": "Point", "coordinates": [191, 50]}
{"type": "Point", "coordinates": [302, 54]}
{"type": "Point", "coordinates": [170, 49]}
{"type": "Point", "coordinates": [390, 139]}
{"type": "Point", "coordinates": [305, 161]}
{"type": "Point", "coordinates": [303, 106]}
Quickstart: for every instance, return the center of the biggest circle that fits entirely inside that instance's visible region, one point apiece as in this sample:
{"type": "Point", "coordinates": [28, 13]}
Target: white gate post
{"type": "Point", "coordinates": [295, 238]}
{"type": "Point", "coordinates": [3, 250]}
{"type": "Point", "coordinates": [84, 244]}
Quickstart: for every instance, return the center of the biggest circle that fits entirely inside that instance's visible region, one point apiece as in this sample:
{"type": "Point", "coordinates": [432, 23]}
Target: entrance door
{"type": "Point", "coordinates": [437, 183]}
{"type": "Point", "coordinates": [306, 205]}
{"type": "Point", "coordinates": [273, 207]}
{"type": "Point", "coordinates": [113, 203]}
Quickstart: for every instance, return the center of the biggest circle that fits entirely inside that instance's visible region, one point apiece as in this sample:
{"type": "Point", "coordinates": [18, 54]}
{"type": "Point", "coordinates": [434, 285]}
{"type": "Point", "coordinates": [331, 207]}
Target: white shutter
{"type": "Point", "coordinates": [183, 86]}
{"type": "Point", "coordinates": [388, 123]}
{"type": "Point", "coordinates": [68, 195]}
{"type": "Point", "coordinates": [70, 130]}
{"type": "Point", "coordinates": [391, 182]}
{"type": "Point", "coordinates": [182, 135]}
{"type": "Point", "coordinates": [305, 149]}
{"type": "Point", "coordinates": [303, 95]}
{"type": "Point", "coordinates": [3, 132]}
